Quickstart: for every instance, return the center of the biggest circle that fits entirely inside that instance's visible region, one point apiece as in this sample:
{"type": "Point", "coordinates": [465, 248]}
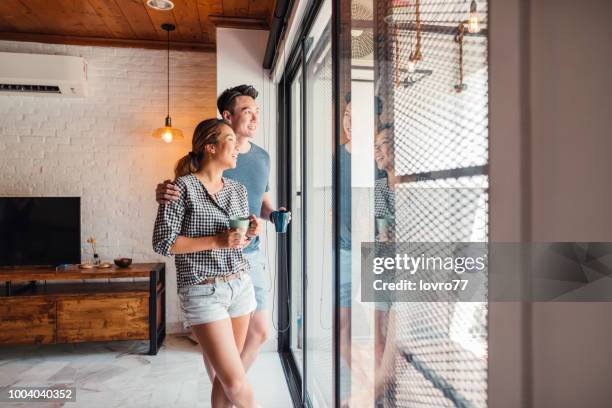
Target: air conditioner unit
{"type": "Point", "coordinates": [38, 74]}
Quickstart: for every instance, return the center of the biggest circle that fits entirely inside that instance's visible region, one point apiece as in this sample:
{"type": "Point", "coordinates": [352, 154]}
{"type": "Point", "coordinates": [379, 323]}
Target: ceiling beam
{"type": "Point", "coordinates": [107, 42]}
{"type": "Point", "coordinates": [245, 23]}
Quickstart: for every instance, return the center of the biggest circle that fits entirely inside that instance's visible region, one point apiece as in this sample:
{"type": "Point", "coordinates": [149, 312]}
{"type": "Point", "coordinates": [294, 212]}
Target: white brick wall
{"type": "Point", "coordinates": [99, 148]}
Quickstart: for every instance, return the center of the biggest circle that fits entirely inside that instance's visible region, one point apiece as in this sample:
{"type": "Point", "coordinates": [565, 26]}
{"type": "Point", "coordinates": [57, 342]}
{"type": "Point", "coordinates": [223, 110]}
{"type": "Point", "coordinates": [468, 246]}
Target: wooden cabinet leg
{"type": "Point", "coordinates": [157, 317]}
{"type": "Point", "coordinates": [153, 313]}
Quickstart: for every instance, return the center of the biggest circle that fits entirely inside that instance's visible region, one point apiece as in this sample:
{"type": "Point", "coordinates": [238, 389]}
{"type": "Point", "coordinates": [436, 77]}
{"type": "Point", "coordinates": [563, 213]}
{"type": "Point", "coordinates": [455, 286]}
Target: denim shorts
{"type": "Point", "coordinates": [257, 260]}
{"type": "Point", "coordinates": [217, 301]}
{"type": "Point", "coordinates": [346, 284]}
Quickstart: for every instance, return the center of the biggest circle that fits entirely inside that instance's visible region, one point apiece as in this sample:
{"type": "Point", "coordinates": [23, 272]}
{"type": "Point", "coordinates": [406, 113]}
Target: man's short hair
{"type": "Point", "coordinates": [227, 100]}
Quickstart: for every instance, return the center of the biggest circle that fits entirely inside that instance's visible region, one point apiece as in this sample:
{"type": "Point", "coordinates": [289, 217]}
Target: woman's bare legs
{"type": "Point", "coordinates": [222, 343]}
{"type": "Point", "coordinates": [210, 370]}
{"type": "Point", "coordinates": [257, 334]}
{"type": "Point", "coordinates": [384, 349]}
{"type": "Point", "coordinates": [380, 334]}
{"type": "Point", "coordinates": [345, 334]}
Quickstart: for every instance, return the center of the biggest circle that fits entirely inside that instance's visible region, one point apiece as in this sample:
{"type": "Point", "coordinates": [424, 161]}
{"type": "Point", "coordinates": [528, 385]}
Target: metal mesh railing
{"type": "Point", "coordinates": [439, 114]}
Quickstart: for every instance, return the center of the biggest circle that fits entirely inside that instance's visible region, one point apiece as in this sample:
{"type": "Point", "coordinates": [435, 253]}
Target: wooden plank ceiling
{"type": "Point", "coordinates": [129, 23]}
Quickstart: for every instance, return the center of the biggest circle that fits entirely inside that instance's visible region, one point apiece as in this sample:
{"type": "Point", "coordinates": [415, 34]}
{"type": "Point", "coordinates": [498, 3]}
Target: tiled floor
{"type": "Point", "coordinates": [119, 374]}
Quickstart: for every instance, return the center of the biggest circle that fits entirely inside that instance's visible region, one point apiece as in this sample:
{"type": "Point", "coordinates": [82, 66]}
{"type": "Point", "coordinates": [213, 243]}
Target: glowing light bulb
{"type": "Point", "coordinates": [474, 19]}
{"type": "Point", "coordinates": [411, 66]}
{"type": "Point", "coordinates": [474, 23]}
{"type": "Point", "coordinates": [167, 137]}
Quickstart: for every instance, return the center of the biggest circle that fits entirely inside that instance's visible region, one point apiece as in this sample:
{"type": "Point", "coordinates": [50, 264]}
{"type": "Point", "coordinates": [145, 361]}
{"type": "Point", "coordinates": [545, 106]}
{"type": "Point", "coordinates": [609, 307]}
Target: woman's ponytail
{"type": "Point", "coordinates": [207, 132]}
{"type": "Point", "coordinates": [183, 166]}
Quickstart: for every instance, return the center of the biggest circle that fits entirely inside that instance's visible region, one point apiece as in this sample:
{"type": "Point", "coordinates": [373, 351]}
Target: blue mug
{"type": "Point", "coordinates": [280, 220]}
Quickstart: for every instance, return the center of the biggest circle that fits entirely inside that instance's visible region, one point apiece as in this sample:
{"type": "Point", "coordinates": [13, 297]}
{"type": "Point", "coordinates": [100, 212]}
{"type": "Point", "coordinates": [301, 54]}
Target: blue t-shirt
{"type": "Point", "coordinates": [253, 171]}
{"type": "Point", "coordinates": [345, 197]}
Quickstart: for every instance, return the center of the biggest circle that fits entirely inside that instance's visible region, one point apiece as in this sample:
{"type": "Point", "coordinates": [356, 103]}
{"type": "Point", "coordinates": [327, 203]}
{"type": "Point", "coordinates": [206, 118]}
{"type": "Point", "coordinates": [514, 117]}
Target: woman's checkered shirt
{"type": "Point", "coordinates": [384, 199]}
{"type": "Point", "coordinates": [198, 214]}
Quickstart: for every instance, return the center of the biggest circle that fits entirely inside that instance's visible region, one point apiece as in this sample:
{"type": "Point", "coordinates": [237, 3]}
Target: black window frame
{"type": "Point", "coordinates": [297, 382]}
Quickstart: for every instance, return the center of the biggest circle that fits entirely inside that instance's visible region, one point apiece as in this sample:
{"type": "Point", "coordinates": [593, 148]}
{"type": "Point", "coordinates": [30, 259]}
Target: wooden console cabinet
{"type": "Point", "coordinates": [35, 310]}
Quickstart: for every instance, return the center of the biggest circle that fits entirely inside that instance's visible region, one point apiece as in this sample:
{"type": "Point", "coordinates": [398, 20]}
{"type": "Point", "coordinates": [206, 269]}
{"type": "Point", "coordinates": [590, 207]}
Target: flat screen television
{"type": "Point", "coordinates": [40, 231]}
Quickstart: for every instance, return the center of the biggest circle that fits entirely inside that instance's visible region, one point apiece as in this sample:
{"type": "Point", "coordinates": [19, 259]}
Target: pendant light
{"type": "Point", "coordinates": [168, 133]}
{"type": "Point", "coordinates": [474, 19]}
{"type": "Point", "coordinates": [399, 18]}
{"type": "Point", "coordinates": [473, 27]}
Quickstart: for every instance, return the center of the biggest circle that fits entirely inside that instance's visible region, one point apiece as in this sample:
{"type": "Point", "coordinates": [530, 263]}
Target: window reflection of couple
{"type": "Point", "coordinates": [384, 315]}
{"type": "Point", "coordinates": [365, 387]}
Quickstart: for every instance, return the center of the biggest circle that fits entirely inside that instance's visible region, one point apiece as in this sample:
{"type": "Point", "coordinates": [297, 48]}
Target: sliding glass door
{"type": "Point", "coordinates": [308, 343]}
{"type": "Point", "coordinates": [296, 205]}
{"type": "Point", "coordinates": [318, 216]}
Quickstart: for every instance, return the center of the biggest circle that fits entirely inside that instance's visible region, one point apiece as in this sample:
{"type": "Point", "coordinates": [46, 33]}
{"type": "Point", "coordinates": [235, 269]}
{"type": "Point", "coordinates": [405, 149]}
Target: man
{"type": "Point", "coordinates": [344, 156]}
{"type": "Point", "coordinates": [238, 107]}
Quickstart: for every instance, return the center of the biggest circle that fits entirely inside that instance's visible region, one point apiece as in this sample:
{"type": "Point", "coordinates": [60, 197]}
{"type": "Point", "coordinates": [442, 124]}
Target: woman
{"type": "Point", "coordinates": [384, 211]}
{"type": "Point", "coordinates": [215, 289]}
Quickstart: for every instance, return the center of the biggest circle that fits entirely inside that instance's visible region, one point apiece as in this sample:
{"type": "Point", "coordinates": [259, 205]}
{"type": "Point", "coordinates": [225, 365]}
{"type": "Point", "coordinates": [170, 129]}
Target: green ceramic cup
{"type": "Point", "coordinates": [382, 225]}
{"type": "Point", "coordinates": [240, 222]}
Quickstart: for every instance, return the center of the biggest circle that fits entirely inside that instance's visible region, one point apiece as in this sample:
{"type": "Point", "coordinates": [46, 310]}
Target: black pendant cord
{"type": "Point", "coordinates": [168, 27]}
{"type": "Point", "coordinates": [168, 71]}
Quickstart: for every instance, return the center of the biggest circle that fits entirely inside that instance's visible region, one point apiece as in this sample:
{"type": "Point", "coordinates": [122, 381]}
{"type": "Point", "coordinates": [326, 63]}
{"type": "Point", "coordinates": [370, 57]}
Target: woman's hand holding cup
{"type": "Point", "coordinates": [230, 238]}
{"type": "Point", "coordinates": [242, 225]}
